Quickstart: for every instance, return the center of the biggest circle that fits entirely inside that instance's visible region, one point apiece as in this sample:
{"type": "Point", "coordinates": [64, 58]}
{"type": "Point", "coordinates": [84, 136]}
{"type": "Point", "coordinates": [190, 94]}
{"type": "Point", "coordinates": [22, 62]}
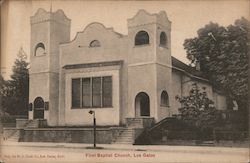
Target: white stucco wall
{"type": "Point", "coordinates": [176, 90]}
{"type": "Point", "coordinates": [142, 78]}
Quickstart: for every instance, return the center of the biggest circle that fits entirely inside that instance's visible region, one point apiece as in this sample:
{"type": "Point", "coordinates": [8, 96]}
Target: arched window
{"type": "Point", "coordinates": [163, 39]}
{"type": "Point", "coordinates": [142, 38]}
{"type": "Point", "coordinates": [38, 102]}
{"type": "Point", "coordinates": [40, 49]}
{"type": "Point", "coordinates": [164, 99]}
{"type": "Point", "coordinates": [95, 43]}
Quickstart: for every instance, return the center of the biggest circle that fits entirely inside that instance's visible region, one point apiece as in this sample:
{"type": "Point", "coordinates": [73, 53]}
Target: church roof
{"type": "Point", "coordinates": [177, 64]}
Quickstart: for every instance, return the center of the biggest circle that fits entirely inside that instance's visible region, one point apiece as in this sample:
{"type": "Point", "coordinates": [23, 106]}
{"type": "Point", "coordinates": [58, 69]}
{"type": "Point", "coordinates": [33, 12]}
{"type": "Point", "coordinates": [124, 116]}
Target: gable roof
{"type": "Point", "coordinates": [177, 64]}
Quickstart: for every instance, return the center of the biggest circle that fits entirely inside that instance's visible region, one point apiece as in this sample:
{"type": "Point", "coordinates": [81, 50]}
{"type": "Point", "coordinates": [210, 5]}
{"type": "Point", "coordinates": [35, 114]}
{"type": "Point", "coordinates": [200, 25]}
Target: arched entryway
{"type": "Point", "coordinates": [142, 105]}
{"type": "Point", "coordinates": [38, 108]}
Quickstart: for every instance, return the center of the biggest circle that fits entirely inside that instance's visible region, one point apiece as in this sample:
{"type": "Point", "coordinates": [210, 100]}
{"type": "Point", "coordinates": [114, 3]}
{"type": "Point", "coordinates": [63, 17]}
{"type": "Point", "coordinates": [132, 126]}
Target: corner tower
{"type": "Point", "coordinates": [149, 69]}
{"type": "Point", "coordinates": [48, 30]}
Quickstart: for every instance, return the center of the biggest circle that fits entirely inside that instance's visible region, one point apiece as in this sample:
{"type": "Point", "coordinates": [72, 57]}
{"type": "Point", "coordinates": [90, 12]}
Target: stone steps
{"type": "Point", "coordinates": [126, 137]}
{"type": "Point", "coordinates": [14, 134]}
{"type": "Point", "coordinates": [14, 137]}
{"type": "Point", "coordinates": [32, 124]}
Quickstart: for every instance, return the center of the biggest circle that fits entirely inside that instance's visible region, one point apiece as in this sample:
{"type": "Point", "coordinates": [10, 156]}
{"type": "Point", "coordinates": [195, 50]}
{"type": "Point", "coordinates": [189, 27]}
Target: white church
{"type": "Point", "coordinates": [124, 79]}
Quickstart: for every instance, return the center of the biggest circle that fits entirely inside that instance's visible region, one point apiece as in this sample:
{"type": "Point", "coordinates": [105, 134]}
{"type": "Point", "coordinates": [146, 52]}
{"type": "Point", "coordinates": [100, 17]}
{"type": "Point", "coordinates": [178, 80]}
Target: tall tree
{"type": "Point", "coordinates": [15, 92]}
{"type": "Point", "coordinates": [2, 83]}
{"type": "Point", "coordinates": [223, 54]}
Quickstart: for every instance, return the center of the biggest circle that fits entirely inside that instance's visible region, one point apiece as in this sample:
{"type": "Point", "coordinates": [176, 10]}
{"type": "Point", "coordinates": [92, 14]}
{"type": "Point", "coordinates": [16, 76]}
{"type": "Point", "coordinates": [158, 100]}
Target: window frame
{"type": "Point", "coordinates": [92, 45]}
{"type": "Point", "coordinates": [40, 45]}
{"type": "Point", "coordinates": [137, 38]}
{"type": "Point", "coordinates": [91, 93]}
{"type": "Point", "coordinates": [167, 99]}
{"type": "Point", "coordinates": [75, 107]}
{"type": "Point", "coordinates": [166, 40]}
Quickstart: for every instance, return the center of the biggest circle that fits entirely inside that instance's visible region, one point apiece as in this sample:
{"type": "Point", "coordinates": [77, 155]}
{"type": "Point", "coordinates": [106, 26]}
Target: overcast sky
{"type": "Point", "coordinates": [186, 16]}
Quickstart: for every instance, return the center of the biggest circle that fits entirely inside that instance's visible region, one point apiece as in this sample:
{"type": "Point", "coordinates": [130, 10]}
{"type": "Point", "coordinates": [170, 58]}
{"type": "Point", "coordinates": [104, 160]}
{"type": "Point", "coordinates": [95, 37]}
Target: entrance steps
{"type": "Point", "coordinates": [126, 137]}
{"type": "Point", "coordinates": [135, 123]}
{"type": "Point", "coordinates": [14, 133]}
{"type": "Point", "coordinates": [32, 124]}
{"type": "Point", "coordinates": [11, 134]}
{"type": "Point", "coordinates": [134, 126]}
{"type": "Point", "coordinates": [139, 122]}
{"type": "Point", "coordinates": [14, 137]}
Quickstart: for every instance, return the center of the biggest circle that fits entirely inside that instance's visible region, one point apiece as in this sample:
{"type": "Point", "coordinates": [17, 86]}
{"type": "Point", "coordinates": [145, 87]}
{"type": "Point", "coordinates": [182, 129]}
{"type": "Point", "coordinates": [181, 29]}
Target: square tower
{"type": "Point", "coordinates": [149, 65]}
{"type": "Point", "coordinates": [48, 30]}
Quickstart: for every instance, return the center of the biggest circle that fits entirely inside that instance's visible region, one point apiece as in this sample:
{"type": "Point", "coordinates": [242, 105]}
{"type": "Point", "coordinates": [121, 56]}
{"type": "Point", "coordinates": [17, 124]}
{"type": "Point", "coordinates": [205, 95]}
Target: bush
{"type": "Point", "coordinates": [198, 110]}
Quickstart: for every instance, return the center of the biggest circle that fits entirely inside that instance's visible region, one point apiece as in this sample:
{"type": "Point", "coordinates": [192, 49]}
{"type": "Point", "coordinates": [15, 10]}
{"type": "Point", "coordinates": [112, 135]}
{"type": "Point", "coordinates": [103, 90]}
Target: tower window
{"type": "Point", "coordinates": [40, 49]}
{"type": "Point", "coordinates": [142, 38]}
{"type": "Point", "coordinates": [164, 99]}
{"type": "Point", "coordinates": [163, 39]}
{"type": "Point", "coordinates": [95, 43]}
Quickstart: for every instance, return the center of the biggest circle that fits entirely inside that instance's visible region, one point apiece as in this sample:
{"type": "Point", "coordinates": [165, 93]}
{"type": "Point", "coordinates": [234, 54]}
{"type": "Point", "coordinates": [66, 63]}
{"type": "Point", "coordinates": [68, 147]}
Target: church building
{"type": "Point", "coordinates": [122, 78]}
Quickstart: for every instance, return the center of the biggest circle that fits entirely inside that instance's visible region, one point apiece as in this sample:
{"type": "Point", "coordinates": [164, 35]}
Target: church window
{"type": "Point", "coordinates": [86, 92]}
{"type": "Point", "coordinates": [96, 91]}
{"type": "Point", "coordinates": [163, 39]}
{"type": "Point", "coordinates": [76, 93]}
{"type": "Point", "coordinates": [92, 92]}
{"type": "Point", "coordinates": [107, 91]}
{"type": "Point", "coordinates": [95, 43]}
{"type": "Point", "coordinates": [40, 49]}
{"type": "Point", "coordinates": [142, 38]}
{"type": "Point", "coordinates": [164, 99]}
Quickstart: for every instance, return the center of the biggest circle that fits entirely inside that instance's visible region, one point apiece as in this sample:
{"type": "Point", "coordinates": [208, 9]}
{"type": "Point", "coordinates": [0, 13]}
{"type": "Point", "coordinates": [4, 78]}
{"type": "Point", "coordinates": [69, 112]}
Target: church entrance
{"type": "Point", "coordinates": [39, 108]}
{"type": "Point", "coordinates": [142, 105]}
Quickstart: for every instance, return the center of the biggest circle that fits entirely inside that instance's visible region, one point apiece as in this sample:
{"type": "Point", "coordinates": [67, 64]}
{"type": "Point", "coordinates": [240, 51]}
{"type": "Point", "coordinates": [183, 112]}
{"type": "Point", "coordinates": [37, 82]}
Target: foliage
{"type": "Point", "coordinates": [197, 109]}
{"type": "Point", "coordinates": [223, 53]}
{"type": "Point", "coordinates": [2, 83]}
{"type": "Point", "coordinates": [15, 92]}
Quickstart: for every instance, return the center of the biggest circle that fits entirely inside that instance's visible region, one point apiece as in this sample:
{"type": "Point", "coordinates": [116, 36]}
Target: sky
{"type": "Point", "coordinates": [186, 17]}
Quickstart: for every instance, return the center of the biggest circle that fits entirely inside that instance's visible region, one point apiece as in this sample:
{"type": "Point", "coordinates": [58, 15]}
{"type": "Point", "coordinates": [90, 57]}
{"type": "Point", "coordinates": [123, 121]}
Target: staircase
{"type": "Point", "coordinates": [14, 137]}
{"type": "Point", "coordinates": [125, 137]}
{"type": "Point", "coordinates": [32, 124]}
{"type": "Point", "coordinates": [134, 123]}
{"type": "Point", "coordinates": [14, 134]}
{"type": "Point", "coordinates": [11, 134]}
{"type": "Point", "coordinates": [134, 126]}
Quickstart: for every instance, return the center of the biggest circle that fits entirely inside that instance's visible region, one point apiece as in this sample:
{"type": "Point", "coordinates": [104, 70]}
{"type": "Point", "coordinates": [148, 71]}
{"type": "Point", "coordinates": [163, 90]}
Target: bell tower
{"type": "Point", "coordinates": [48, 30]}
{"type": "Point", "coordinates": [149, 64]}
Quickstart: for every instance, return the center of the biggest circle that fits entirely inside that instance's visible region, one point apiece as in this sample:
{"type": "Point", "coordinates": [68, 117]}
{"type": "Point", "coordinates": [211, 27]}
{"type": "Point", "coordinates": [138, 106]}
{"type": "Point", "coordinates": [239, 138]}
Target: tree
{"type": "Point", "coordinates": [2, 83]}
{"type": "Point", "coordinates": [197, 109]}
{"type": "Point", "coordinates": [223, 53]}
{"type": "Point", "coordinates": [15, 92]}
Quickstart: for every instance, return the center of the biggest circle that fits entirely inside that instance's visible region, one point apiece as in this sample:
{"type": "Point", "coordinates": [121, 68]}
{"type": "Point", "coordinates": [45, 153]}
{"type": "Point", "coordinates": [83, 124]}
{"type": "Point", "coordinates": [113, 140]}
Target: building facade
{"type": "Point", "coordinates": [117, 76]}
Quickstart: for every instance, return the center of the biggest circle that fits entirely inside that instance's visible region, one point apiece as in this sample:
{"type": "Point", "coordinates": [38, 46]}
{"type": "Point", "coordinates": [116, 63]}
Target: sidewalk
{"type": "Point", "coordinates": [156, 148]}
